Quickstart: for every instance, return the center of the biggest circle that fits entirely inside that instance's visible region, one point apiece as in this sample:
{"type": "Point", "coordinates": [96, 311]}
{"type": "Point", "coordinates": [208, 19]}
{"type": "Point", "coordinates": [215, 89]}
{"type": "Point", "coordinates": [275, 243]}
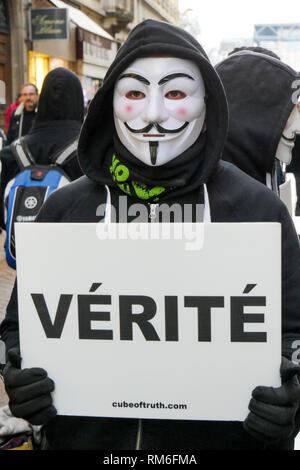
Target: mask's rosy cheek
{"type": "Point", "coordinates": [128, 108]}
{"type": "Point", "coordinates": [182, 111]}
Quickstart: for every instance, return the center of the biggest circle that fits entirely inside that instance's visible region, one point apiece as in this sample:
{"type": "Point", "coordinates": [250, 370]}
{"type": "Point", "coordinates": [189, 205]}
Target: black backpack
{"type": "Point", "coordinates": [26, 192]}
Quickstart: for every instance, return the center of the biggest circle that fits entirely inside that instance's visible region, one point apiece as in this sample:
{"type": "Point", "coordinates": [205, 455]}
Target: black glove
{"type": "Point", "coordinates": [28, 390]}
{"type": "Point", "coordinates": [274, 412]}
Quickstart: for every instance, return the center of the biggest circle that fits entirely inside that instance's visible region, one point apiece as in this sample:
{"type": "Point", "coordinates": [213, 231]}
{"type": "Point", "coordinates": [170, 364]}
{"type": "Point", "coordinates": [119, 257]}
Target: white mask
{"type": "Point", "coordinates": [287, 140]}
{"type": "Point", "coordinates": [159, 108]}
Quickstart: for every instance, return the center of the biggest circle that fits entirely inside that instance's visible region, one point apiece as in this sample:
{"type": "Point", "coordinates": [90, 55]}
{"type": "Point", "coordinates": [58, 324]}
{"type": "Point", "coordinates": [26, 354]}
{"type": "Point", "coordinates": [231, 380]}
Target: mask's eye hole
{"type": "Point", "coordinates": [135, 95]}
{"type": "Point", "coordinates": [175, 95]}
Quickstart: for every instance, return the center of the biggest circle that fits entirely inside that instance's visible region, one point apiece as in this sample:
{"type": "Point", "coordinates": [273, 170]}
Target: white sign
{"type": "Point", "coordinates": [151, 328]}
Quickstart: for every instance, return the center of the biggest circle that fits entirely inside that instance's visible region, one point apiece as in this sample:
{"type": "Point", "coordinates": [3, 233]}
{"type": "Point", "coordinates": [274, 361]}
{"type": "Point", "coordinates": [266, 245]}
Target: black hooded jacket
{"type": "Point", "coordinates": [58, 121]}
{"type": "Point", "coordinates": [260, 91]}
{"type": "Point", "coordinates": [233, 197]}
{"type": "Point", "coordinates": [294, 166]}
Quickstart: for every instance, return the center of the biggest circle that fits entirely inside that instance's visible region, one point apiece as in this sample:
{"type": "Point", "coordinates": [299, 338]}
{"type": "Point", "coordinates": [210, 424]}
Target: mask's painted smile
{"type": "Point", "coordinates": [153, 135]}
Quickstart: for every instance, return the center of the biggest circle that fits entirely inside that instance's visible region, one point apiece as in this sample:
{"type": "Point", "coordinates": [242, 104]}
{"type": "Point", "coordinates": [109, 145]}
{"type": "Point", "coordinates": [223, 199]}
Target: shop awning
{"type": "Point", "coordinates": [83, 21]}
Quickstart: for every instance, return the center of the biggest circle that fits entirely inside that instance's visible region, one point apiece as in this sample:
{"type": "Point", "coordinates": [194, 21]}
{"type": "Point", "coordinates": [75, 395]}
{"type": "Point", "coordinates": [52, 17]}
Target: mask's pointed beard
{"type": "Point", "coordinates": [153, 152]}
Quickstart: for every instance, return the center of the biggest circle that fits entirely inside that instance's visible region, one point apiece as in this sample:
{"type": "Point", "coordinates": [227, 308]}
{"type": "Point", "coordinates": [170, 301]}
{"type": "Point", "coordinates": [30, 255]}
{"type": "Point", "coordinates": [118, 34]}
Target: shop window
{"type": "Point", "coordinates": [90, 86]}
{"type": "Point", "coordinates": [4, 21]}
{"type": "Point", "coordinates": [55, 62]}
{"type": "Point", "coordinates": [38, 68]}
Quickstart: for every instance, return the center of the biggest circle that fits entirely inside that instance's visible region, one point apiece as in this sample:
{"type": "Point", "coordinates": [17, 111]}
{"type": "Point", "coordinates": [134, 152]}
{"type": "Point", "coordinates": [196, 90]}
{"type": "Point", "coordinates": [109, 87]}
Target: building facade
{"type": "Point", "coordinates": [96, 29]}
{"type": "Point", "coordinates": [88, 51]}
{"type": "Point", "coordinates": [163, 10]}
{"type": "Point", "coordinates": [283, 39]}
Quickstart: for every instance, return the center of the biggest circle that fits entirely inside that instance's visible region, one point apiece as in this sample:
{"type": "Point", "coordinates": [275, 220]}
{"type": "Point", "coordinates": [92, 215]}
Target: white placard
{"type": "Point", "coordinates": [179, 354]}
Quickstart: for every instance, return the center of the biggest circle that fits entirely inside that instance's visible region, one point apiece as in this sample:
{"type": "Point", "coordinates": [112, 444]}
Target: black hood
{"type": "Point", "coordinates": [61, 97]}
{"type": "Point", "coordinates": [259, 92]}
{"type": "Point", "coordinates": [148, 38]}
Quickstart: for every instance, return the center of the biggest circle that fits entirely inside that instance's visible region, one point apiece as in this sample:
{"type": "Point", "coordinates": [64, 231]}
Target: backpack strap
{"type": "Point", "coordinates": [22, 154]}
{"type": "Point", "coordinates": [60, 157]}
{"type": "Point", "coordinates": [25, 158]}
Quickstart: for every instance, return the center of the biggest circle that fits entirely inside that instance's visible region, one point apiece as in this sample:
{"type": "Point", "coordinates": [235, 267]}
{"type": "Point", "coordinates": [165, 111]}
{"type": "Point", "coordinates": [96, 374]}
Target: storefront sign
{"type": "Point", "coordinates": [134, 322]}
{"type": "Point", "coordinates": [48, 23]}
{"type": "Point", "coordinates": [94, 49]}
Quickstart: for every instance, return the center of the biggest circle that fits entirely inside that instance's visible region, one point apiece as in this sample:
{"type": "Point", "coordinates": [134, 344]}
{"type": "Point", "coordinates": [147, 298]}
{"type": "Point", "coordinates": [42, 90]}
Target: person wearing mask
{"type": "Point", "coordinates": [263, 114]}
{"type": "Point", "coordinates": [154, 134]}
{"type": "Point", "coordinates": [22, 118]}
{"type": "Point", "coordinates": [58, 121]}
{"type": "Point", "coordinates": [294, 167]}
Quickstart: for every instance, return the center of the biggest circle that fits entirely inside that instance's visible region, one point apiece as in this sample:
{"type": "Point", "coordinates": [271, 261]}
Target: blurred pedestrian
{"type": "Point", "coordinates": [22, 118]}
{"type": "Point", "coordinates": [58, 121]}
{"type": "Point", "coordinates": [10, 109]}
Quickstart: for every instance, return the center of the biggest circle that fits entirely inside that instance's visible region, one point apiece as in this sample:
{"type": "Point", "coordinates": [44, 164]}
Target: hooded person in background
{"type": "Point", "coordinates": [294, 167]}
{"type": "Point", "coordinates": [262, 50]}
{"type": "Point", "coordinates": [154, 134]}
{"type": "Point", "coordinates": [58, 121]}
{"type": "Point", "coordinates": [260, 91]}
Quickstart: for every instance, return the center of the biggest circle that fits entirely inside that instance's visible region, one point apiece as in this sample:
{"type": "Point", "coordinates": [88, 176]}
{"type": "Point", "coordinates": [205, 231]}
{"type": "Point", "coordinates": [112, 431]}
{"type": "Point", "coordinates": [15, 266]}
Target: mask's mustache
{"type": "Point", "coordinates": [160, 129]}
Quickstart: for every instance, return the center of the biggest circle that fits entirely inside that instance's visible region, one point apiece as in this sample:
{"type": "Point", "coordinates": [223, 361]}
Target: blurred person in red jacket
{"type": "Point", "coordinates": [10, 109]}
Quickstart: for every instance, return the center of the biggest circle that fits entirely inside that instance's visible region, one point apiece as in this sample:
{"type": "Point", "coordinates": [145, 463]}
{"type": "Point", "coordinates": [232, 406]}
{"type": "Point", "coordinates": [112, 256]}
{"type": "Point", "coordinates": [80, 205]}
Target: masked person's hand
{"type": "Point", "coordinates": [274, 412]}
{"type": "Point", "coordinates": [29, 391]}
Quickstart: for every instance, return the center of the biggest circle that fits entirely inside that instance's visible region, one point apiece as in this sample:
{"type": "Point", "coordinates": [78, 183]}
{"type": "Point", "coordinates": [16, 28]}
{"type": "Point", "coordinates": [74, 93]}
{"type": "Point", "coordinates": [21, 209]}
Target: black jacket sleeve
{"type": "Point", "coordinates": [13, 128]}
{"type": "Point", "coordinates": [9, 169]}
{"type": "Point", "coordinates": [290, 285]}
{"type": "Point", "coordinates": [72, 168]}
{"type": "Point", "coordinates": [9, 328]}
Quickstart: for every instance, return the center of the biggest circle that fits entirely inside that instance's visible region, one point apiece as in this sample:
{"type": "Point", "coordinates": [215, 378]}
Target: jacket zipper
{"type": "Point", "coordinates": [152, 213]}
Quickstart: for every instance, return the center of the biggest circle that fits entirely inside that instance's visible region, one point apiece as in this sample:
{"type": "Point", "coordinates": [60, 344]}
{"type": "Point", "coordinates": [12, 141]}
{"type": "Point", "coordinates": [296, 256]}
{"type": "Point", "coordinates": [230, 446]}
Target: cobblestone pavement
{"type": "Point", "coordinates": [7, 277]}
